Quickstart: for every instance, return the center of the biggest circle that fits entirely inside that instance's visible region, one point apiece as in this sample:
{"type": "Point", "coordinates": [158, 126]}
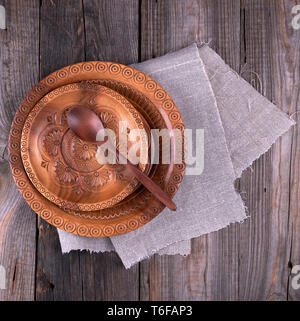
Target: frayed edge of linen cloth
{"type": "Point", "coordinates": [244, 145]}
{"type": "Point", "coordinates": [70, 242]}
{"type": "Point", "coordinates": [73, 242]}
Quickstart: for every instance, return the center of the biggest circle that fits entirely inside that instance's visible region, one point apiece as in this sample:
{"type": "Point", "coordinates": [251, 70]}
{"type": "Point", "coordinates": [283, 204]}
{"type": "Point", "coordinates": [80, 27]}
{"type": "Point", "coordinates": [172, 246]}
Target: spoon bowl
{"type": "Point", "coordinates": [84, 123]}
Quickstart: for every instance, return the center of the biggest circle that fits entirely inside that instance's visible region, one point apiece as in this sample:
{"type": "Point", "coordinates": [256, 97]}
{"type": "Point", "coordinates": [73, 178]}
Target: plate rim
{"type": "Point", "coordinates": [50, 212]}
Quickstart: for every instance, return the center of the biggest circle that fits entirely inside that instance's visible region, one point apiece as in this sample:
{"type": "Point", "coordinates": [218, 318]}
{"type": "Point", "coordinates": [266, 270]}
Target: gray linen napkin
{"type": "Point", "coordinates": [239, 125]}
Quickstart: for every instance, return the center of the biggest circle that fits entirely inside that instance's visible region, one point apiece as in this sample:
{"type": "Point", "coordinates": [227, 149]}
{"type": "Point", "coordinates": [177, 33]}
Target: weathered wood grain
{"type": "Point", "coordinates": [265, 243]}
{"type": "Point", "coordinates": [112, 30]}
{"type": "Point", "coordinates": [211, 271]}
{"type": "Point", "coordinates": [19, 65]}
{"type": "Point", "coordinates": [287, 92]}
{"type": "Point", "coordinates": [70, 32]}
{"type": "Point", "coordinates": [61, 34]}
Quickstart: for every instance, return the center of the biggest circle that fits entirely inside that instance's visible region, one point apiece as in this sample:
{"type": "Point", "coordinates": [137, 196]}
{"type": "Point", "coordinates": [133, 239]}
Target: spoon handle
{"type": "Point", "coordinates": [151, 186]}
{"type": "Point", "coordinates": [147, 182]}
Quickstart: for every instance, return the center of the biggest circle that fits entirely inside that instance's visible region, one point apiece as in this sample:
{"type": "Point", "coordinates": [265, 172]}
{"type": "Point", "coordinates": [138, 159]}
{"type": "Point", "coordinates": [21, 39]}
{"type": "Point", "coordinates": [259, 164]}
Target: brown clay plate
{"type": "Point", "coordinates": [62, 167]}
{"type": "Point", "coordinates": [141, 206]}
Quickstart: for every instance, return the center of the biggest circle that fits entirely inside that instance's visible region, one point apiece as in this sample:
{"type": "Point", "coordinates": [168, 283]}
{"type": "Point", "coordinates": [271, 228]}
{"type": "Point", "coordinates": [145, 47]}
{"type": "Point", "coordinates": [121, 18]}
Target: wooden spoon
{"type": "Point", "coordinates": [86, 124]}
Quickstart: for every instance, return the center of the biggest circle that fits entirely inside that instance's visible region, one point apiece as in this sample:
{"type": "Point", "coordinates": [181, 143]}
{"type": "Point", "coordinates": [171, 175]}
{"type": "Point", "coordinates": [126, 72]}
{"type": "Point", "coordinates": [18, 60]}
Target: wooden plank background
{"type": "Point", "coordinates": [251, 261]}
